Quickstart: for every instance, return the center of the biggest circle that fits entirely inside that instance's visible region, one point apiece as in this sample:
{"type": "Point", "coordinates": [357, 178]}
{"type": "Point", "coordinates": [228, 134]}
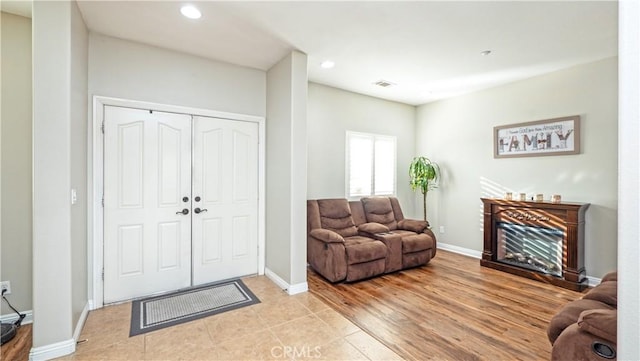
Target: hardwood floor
{"type": "Point", "coordinates": [450, 309]}
{"type": "Point", "coordinates": [18, 348]}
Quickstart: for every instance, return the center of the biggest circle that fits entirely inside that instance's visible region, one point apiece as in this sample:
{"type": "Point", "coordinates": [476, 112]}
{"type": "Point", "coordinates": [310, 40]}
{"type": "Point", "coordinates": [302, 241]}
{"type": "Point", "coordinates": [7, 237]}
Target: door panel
{"type": "Point", "coordinates": [241, 244]}
{"type": "Point", "coordinates": [211, 240]}
{"type": "Point", "coordinates": [170, 166]}
{"type": "Point", "coordinates": [130, 262]}
{"type": "Point", "coordinates": [129, 152]}
{"type": "Point", "coordinates": [147, 171]}
{"type": "Point", "coordinates": [225, 176]}
{"type": "Point", "coordinates": [169, 243]}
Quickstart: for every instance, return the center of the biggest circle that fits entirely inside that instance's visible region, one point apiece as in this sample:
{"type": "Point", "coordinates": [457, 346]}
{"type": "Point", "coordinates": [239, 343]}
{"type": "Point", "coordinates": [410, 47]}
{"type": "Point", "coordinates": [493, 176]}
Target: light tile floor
{"type": "Point", "coordinates": [281, 327]}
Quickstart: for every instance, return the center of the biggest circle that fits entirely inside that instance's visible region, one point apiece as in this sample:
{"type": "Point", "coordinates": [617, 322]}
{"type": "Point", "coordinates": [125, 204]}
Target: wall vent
{"type": "Point", "coordinates": [384, 83]}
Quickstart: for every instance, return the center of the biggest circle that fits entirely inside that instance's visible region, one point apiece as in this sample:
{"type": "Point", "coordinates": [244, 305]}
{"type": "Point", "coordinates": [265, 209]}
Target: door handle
{"type": "Point", "coordinates": [184, 211]}
{"type": "Point", "coordinates": [198, 210]}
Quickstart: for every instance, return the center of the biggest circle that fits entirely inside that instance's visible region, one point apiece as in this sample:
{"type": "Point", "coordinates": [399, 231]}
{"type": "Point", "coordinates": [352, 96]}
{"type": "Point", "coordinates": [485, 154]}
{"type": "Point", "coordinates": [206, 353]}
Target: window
{"type": "Point", "coordinates": [370, 165]}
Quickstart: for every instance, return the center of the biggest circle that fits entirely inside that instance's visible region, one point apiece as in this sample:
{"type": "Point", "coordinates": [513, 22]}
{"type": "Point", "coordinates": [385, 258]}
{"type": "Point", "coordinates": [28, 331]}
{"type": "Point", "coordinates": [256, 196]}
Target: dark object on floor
{"type": "Point", "coordinates": [586, 329]}
{"type": "Point", "coordinates": [154, 313]}
{"type": "Point", "coordinates": [9, 329]}
{"type": "Point", "coordinates": [351, 241]}
{"type": "Point", "coordinates": [8, 332]}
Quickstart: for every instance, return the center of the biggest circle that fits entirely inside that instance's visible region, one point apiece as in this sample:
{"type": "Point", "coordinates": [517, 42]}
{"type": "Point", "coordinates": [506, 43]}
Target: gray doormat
{"type": "Point", "coordinates": [158, 312]}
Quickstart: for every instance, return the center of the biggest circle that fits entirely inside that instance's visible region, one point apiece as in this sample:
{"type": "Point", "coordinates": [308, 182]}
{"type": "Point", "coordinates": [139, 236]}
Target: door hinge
{"type": "Point", "coordinates": [103, 273]}
{"type": "Point", "coordinates": [103, 202]}
{"type": "Point", "coordinates": [102, 127]}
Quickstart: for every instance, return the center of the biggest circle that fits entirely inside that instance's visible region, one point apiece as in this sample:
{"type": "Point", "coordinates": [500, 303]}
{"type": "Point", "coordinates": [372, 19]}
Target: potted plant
{"type": "Point", "coordinates": [424, 175]}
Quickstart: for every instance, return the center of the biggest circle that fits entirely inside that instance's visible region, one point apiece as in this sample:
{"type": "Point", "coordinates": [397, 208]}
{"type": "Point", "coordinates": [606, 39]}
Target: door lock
{"type": "Point", "coordinates": [184, 211]}
{"type": "Point", "coordinates": [198, 210]}
{"type": "Point", "coordinates": [185, 199]}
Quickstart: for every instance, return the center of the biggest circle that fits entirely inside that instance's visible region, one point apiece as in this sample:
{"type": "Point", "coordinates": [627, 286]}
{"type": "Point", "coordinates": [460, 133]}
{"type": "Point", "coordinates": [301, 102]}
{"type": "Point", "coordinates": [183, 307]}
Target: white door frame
{"type": "Point", "coordinates": [95, 184]}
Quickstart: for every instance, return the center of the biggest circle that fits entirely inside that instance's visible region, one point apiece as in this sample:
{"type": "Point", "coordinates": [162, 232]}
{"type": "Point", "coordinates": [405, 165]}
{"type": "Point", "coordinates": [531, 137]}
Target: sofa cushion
{"type": "Point", "coordinates": [606, 292]}
{"type": "Point", "coordinates": [416, 243]}
{"type": "Point", "coordinates": [569, 314]}
{"type": "Point", "coordinates": [601, 323]}
{"type": "Point", "coordinates": [326, 235]}
{"type": "Point", "coordinates": [412, 225]}
{"type": "Point", "coordinates": [611, 276]}
{"type": "Point", "coordinates": [379, 210]}
{"type": "Point", "coordinates": [373, 228]}
{"type": "Point", "coordinates": [335, 215]}
{"type": "Point", "coordinates": [363, 249]}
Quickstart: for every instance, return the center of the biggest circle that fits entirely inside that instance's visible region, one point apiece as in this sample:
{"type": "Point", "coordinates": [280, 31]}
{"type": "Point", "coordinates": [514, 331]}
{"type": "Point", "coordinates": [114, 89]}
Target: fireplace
{"type": "Point", "coordinates": [538, 240]}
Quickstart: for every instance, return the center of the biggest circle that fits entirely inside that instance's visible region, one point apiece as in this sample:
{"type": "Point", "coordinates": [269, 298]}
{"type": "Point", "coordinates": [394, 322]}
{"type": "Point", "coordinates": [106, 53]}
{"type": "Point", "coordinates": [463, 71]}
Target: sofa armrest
{"type": "Point", "coordinates": [605, 292]}
{"type": "Point", "coordinates": [372, 228]}
{"type": "Point", "coordinates": [575, 344]}
{"type": "Point", "coordinates": [413, 225]}
{"type": "Point", "coordinates": [600, 323]}
{"type": "Point", "coordinates": [326, 235]}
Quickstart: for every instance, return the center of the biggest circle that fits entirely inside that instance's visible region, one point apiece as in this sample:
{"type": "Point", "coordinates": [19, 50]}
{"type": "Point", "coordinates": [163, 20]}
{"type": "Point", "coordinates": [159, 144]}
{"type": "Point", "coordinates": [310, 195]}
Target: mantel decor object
{"type": "Point", "coordinates": [558, 136]}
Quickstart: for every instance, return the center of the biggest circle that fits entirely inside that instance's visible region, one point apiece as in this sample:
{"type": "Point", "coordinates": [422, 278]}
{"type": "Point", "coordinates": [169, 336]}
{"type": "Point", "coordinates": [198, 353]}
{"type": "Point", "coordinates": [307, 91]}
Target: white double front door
{"type": "Point", "coordinates": [180, 201]}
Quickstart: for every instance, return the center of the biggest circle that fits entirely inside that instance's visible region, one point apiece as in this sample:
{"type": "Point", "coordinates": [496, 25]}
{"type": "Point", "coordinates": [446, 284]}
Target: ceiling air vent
{"type": "Point", "coordinates": [384, 83]}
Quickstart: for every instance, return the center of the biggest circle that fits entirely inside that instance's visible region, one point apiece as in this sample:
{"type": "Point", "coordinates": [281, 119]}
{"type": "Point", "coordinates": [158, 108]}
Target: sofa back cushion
{"type": "Point", "coordinates": [379, 209]}
{"type": "Point", "coordinates": [335, 215]}
{"type": "Point", "coordinates": [357, 213]}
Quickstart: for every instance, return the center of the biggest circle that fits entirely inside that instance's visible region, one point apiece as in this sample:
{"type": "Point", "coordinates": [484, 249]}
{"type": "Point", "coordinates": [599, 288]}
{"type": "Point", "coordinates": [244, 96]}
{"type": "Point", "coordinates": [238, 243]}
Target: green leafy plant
{"type": "Point", "coordinates": [423, 175]}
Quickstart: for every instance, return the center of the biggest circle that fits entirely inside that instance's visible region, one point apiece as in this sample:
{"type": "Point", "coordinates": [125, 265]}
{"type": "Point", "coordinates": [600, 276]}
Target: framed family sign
{"type": "Point", "coordinates": [558, 136]}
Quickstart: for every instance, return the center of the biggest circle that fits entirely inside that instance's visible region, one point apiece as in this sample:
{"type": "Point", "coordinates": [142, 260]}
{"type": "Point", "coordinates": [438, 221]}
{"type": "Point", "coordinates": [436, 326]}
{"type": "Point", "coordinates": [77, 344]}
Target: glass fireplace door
{"type": "Point", "coordinates": [535, 248]}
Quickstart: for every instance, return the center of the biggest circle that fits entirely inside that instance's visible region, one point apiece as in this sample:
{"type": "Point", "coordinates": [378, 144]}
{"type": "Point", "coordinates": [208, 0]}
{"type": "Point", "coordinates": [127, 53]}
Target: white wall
{"type": "Point", "coordinates": [331, 112]}
{"type": "Point", "coordinates": [458, 134]}
{"type": "Point", "coordinates": [15, 164]}
{"type": "Point", "coordinates": [59, 164]}
{"type": "Point", "coordinates": [78, 136]}
{"type": "Point", "coordinates": [629, 191]}
{"type": "Point", "coordinates": [124, 69]}
{"type": "Point", "coordinates": [286, 171]}
{"type": "Point", "coordinates": [52, 286]}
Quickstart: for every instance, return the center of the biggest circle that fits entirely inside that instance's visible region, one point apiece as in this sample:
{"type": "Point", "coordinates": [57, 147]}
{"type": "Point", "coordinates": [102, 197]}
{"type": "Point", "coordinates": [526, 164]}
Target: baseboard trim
{"type": "Point", "coordinates": [460, 250]}
{"type": "Point", "coordinates": [591, 281]}
{"type": "Point", "coordinates": [290, 289]}
{"type": "Point", "coordinates": [53, 350]}
{"type": "Point", "coordinates": [11, 318]}
{"type": "Point", "coordinates": [81, 321]}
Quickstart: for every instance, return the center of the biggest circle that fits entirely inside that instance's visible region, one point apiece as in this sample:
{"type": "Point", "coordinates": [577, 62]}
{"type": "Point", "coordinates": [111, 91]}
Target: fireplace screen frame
{"type": "Point", "coordinates": [566, 216]}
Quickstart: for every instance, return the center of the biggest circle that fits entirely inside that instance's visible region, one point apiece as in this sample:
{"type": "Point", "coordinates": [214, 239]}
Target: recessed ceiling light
{"type": "Point", "coordinates": [327, 64]}
{"type": "Point", "coordinates": [191, 12]}
{"type": "Point", "coordinates": [485, 52]}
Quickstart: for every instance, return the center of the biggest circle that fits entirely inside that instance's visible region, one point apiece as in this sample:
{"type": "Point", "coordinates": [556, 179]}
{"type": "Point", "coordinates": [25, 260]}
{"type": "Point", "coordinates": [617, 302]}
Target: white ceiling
{"type": "Point", "coordinates": [429, 49]}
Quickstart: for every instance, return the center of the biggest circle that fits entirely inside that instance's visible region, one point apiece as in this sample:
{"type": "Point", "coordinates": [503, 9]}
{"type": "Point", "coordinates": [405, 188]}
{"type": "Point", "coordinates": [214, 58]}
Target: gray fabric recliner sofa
{"type": "Point", "coordinates": [350, 241]}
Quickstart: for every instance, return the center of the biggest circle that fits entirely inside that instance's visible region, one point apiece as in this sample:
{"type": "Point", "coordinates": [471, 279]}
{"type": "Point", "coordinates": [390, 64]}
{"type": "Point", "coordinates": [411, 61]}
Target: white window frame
{"type": "Point", "coordinates": [348, 136]}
